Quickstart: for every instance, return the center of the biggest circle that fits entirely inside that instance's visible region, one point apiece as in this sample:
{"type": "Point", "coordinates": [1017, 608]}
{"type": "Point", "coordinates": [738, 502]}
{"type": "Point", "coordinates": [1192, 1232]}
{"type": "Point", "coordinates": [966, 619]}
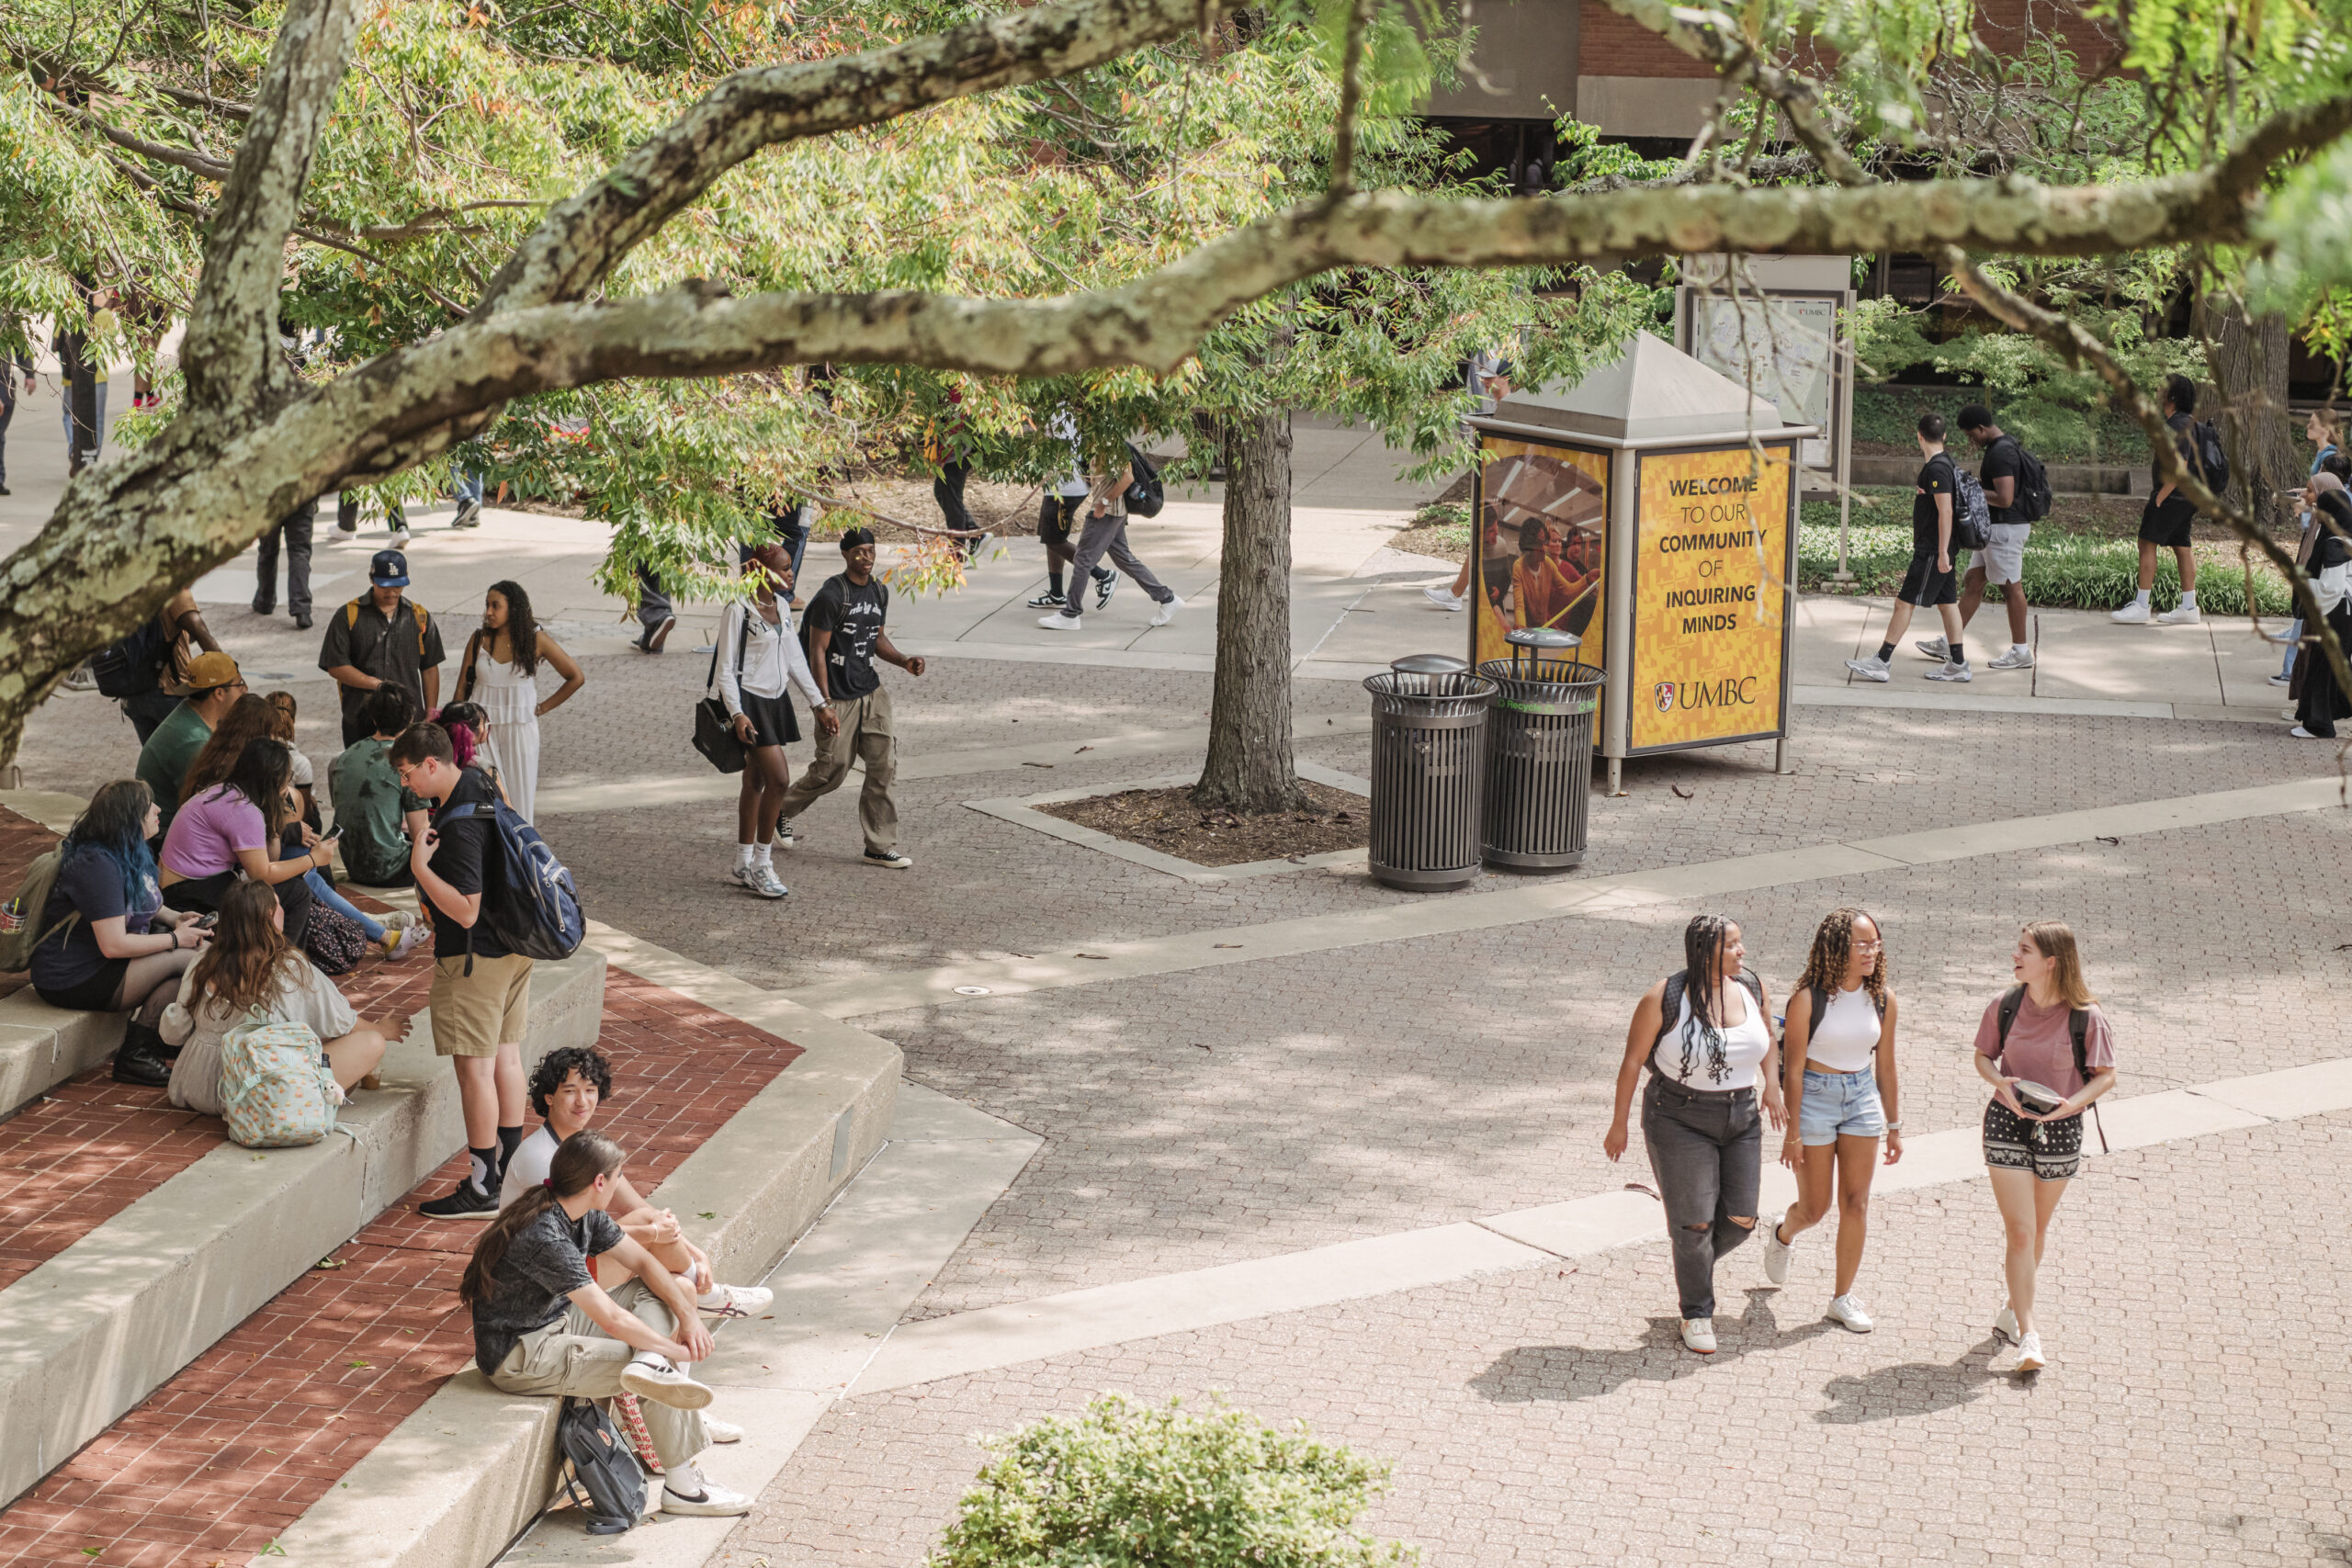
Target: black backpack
{"type": "Point", "coordinates": [2030, 499]}
{"type": "Point", "coordinates": [1145, 494]}
{"type": "Point", "coordinates": [2078, 1024]}
{"type": "Point", "coordinates": [2213, 463]}
{"type": "Point", "coordinates": [1670, 1006]}
{"type": "Point", "coordinates": [132, 666]}
{"type": "Point", "coordinates": [529, 901]}
{"type": "Point", "coordinates": [1819, 999]}
{"type": "Point", "coordinates": [602, 1467]}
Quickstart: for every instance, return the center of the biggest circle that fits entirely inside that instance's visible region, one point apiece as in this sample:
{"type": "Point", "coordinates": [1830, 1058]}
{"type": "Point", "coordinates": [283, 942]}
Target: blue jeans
{"type": "Point", "coordinates": [323, 891]}
{"type": "Point", "coordinates": [2294, 641]}
{"type": "Point", "coordinates": [464, 486]}
{"type": "Point", "coordinates": [1839, 1105]}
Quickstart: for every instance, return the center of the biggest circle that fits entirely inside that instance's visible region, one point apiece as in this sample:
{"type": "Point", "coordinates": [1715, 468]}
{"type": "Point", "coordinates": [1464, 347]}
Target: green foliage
{"type": "Point", "coordinates": [2078, 571]}
{"type": "Point", "coordinates": [1126, 1486]}
{"type": "Point", "coordinates": [2052, 429]}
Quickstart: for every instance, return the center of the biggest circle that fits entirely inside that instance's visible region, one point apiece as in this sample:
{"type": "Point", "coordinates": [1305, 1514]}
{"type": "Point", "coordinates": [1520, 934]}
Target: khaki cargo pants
{"type": "Point", "coordinates": [865, 733]}
{"type": "Point", "coordinates": [573, 1356]}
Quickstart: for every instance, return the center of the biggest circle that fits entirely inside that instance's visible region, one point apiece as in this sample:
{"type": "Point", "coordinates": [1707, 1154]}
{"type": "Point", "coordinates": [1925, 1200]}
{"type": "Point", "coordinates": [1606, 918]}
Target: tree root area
{"type": "Point", "coordinates": [1167, 820]}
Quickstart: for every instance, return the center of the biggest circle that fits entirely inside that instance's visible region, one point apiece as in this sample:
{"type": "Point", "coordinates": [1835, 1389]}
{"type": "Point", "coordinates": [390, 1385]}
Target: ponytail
{"type": "Point", "coordinates": [582, 1158]}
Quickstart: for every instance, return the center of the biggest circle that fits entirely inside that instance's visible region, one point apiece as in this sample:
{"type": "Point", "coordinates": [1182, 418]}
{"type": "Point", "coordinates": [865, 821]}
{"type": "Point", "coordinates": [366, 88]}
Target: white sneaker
{"type": "Point", "coordinates": [2135, 614]}
{"type": "Point", "coordinates": [665, 1385]}
{"type": "Point", "coordinates": [736, 1301]}
{"type": "Point", "coordinates": [716, 1501]}
{"type": "Point", "coordinates": [2005, 1327]}
{"type": "Point", "coordinates": [741, 874]}
{"type": "Point", "coordinates": [765, 883]}
{"type": "Point", "coordinates": [2282, 679]}
{"type": "Point", "coordinates": [1848, 1311]}
{"type": "Point", "coordinates": [399, 920]}
{"type": "Point", "coordinates": [2030, 1356]}
{"type": "Point", "coordinates": [1776, 1252]}
{"type": "Point", "coordinates": [2180, 615]}
{"type": "Point", "coordinates": [1871, 669]}
{"type": "Point", "coordinates": [406, 942]}
{"type": "Point", "coordinates": [1934, 648]}
{"type": "Point", "coordinates": [2300, 733]}
{"type": "Point", "coordinates": [1443, 599]}
{"type": "Point", "coordinates": [1062, 623]}
{"type": "Point", "coordinates": [720, 1431]}
{"type": "Point", "coordinates": [1958, 672]}
{"type": "Point", "coordinates": [1699, 1334]}
{"type": "Point", "coordinates": [2014, 659]}
{"type": "Point", "coordinates": [1166, 612]}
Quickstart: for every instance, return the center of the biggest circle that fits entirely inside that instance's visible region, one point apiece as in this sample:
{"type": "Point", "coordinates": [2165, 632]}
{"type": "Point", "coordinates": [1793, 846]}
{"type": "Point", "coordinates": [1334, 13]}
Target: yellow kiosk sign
{"type": "Point", "coordinates": [1709, 625]}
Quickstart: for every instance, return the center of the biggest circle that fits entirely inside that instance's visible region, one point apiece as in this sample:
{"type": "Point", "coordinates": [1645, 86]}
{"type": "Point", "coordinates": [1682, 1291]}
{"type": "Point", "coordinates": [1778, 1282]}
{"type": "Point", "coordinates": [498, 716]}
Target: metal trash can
{"type": "Point", "coordinates": [1429, 733]}
{"type": "Point", "coordinates": [1539, 752]}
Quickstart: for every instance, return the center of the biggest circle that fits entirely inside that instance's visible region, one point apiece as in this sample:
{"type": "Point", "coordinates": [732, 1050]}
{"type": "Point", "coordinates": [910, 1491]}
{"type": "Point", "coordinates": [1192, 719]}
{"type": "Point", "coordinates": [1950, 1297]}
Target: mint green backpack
{"type": "Point", "coordinates": [276, 1090]}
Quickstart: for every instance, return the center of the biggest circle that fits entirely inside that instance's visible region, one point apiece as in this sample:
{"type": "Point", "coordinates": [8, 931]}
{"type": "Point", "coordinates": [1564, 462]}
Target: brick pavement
{"type": "Point", "coordinates": [2194, 1414]}
{"type": "Point", "coordinates": [217, 1461]}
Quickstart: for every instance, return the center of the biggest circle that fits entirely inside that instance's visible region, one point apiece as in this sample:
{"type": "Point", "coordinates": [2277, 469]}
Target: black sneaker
{"type": "Point", "coordinates": [301, 620]}
{"type": "Point", "coordinates": [1048, 600]}
{"type": "Point", "coordinates": [1105, 584]}
{"type": "Point", "coordinates": [469, 515]}
{"type": "Point", "coordinates": [468, 1202]}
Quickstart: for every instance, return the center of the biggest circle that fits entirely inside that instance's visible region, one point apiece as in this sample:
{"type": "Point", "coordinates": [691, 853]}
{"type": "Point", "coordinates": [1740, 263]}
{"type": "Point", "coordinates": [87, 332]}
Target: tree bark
{"type": "Point", "coordinates": [2249, 367]}
{"type": "Point", "coordinates": [1250, 765]}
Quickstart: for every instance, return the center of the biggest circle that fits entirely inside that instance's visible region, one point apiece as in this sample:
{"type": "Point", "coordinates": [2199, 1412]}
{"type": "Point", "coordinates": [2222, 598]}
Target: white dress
{"type": "Point", "coordinates": [510, 704]}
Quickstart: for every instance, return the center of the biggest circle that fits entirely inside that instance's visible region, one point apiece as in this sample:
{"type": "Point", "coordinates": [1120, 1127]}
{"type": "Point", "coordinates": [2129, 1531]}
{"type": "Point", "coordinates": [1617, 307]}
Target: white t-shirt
{"type": "Point", "coordinates": [1745, 1044]}
{"type": "Point", "coordinates": [530, 1165]}
{"type": "Point", "coordinates": [1845, 1038]}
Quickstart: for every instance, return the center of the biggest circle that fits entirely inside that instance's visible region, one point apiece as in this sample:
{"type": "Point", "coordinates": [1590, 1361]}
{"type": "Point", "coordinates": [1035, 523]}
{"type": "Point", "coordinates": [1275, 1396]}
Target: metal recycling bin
{"type": "Point", "coordinates": [1429, 734]}
{"type": "Point", "coordinates": [1539, 753]}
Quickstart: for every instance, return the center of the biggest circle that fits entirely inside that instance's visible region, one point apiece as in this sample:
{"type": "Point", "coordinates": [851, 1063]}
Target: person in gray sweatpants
{"type": "Point", "coordinates": [1105, 535]}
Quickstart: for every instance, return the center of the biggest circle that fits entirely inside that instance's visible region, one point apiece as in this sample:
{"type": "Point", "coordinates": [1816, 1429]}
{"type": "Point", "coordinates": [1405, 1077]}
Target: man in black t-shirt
{"type": "Point", "coordinates": [843, 623]}
{"type": "Point", "coordinates": [482, 993]}
{"type": "Point", "coordinates": [2165, 522]}
{"type": "Point", "coordinates": [2001, 560]}
{"type": "Point", "coordinates": [1929, 580]}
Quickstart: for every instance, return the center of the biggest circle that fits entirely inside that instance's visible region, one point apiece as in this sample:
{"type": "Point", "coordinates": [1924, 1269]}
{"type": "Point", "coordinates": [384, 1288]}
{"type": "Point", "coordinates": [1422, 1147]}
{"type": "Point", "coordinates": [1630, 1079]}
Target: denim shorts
{"type": "Point", "coordinates": [1840, 1105]}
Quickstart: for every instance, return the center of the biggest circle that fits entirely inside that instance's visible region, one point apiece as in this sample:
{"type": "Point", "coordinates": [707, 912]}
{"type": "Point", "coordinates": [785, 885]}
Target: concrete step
{"type": "Point", "coordinates": [42, 1046]}
{"type": "Point", "coordinates": [91, 1332]}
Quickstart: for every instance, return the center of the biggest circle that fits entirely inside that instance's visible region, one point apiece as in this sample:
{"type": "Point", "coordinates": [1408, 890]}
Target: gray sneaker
{"type": "Point", "coordinates": [2014, 659]}
{"type": "Point", "coordinates": [1871, 669]}
{"type": "Point", "coordinates": [1934, 648]}
{"type": "Point", "coordinates": [1960, 671]}
{"type": "Point", "coordinates": [762, 881]}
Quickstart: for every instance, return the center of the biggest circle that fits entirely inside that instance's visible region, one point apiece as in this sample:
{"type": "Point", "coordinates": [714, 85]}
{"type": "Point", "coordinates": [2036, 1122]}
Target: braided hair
{"type": "Point", "coordinates": [1833, 951]}
{"type": "Point", "coordinates": [1703, 957]}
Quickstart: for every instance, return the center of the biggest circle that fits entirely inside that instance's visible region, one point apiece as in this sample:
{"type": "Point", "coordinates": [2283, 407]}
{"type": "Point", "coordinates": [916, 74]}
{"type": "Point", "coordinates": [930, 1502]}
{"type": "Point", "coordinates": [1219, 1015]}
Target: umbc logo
{"type": "Point", "coordinates": [1666, 696]}
{"type": "Point", "coordinates": [1732, 691]}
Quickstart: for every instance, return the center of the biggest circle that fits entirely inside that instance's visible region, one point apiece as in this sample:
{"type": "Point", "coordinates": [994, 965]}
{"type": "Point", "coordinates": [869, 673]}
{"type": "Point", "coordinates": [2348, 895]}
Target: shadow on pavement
{"type": "Point", "coordinates": [1913, 1388]}
{"type": "Point", "coordinates": [1527, 1373]}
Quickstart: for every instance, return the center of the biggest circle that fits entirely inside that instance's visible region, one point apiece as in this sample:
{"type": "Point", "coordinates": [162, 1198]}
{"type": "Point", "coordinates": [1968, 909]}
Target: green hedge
{"type": "Point", "coordinates": [2056, 432]}
{"type": "Point", "coordinates": [2078, 571]}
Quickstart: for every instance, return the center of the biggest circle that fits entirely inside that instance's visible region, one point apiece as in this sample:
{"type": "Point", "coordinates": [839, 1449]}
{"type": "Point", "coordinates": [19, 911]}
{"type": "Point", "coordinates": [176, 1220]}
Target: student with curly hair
{"type": "Point", "coordinates": [1839, 1050]}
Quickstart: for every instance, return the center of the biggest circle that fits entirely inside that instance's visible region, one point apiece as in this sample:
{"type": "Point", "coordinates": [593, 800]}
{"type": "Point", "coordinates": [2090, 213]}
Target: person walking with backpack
{"type": "Point", "coordinates": [1703, 1032]}
{"type": "Point", "coordinates": [2164, 520]}
{"type": "Point", "coordinates": [1838, 1047]}
{"type": "Point", "coordinates": [1928, 579]}
{"type": "Point", "coordinates": [480, 1000]}
{"type": "Point", "coordinates": [844, 626]}
{"type": "Point", "coordinates": [382, 639]}
{"type": "Point", "coordinates": [2017, 495]}
{"type": "Point", "coordinates": [139, 670]}
{"type": "Point", "coordinates": [2045, 1047]}
{"type": "Point", "coordinates": [1106, 535]}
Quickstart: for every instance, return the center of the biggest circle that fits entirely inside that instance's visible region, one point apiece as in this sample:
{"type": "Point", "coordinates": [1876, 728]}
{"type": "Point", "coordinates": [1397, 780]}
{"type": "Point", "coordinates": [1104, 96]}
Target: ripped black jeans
{"type": "Point", "coordinates": [1707, 1150]}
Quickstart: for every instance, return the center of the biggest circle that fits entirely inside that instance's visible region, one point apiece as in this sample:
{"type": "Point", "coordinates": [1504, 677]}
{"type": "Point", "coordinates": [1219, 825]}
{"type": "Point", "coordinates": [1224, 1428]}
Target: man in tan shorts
{"type": "Point", "coordinates": [482, 993]}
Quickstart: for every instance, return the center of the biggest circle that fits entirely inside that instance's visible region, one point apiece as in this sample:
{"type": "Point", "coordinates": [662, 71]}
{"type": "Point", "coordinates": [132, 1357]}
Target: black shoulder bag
{"type": "Point", "coordinates": [714, 725]}
{"type": "Point", "coordinates": [601, 1468]}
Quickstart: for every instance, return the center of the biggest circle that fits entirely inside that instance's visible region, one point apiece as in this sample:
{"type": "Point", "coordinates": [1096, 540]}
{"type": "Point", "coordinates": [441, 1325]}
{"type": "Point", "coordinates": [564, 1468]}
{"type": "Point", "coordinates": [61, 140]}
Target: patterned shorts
{"type": "Point", "coordinates": [2052, 1150]}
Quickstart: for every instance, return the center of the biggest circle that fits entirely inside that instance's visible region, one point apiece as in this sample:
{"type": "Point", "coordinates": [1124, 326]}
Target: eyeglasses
{"type": "Point", "coordinates": [1869, 946]}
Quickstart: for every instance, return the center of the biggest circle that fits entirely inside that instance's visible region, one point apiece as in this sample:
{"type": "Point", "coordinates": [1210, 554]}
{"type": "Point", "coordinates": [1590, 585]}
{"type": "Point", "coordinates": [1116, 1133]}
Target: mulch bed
{"type": "Point", "coordinates": [1167, 820]}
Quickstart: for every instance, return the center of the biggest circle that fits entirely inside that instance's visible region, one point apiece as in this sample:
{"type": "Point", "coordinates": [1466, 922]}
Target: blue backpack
{"type": "Point", "coordinates": [528, 897]}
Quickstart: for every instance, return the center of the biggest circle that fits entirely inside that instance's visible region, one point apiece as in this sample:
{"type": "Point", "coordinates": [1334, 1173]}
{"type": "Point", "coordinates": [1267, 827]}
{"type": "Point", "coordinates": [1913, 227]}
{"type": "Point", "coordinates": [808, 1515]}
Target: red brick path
{"type": "Point", "coordinates": [223, 1457]}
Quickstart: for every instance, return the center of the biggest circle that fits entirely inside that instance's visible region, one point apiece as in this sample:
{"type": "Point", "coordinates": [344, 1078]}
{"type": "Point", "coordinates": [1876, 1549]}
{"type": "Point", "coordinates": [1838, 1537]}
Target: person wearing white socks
{"type": "Point", "coordinates": [544, 1326]}
{"type": "Point", "coordinates": [2165, 520]}
{"type": "Point", "coordinates": [568, 1087]}
{"type": "Point", "coordinates": [756, 660]}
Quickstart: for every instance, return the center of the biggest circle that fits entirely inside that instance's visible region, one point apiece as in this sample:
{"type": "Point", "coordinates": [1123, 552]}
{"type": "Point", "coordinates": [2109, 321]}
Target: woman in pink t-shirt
{"type": "Point", "coordinates": [230, 830]}
{"type": "Point", "coordinates": [2033, 1154]}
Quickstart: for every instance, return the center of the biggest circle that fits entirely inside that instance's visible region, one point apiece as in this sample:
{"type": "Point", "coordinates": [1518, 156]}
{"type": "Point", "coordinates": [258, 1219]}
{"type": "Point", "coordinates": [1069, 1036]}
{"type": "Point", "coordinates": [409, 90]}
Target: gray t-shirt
{"type": "Point", "coordinates": [545, 1262]}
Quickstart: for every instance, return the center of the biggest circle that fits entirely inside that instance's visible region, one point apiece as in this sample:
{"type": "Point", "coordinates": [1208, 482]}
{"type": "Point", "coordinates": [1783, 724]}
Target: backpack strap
{"type": "Point", "coordinates": [2011, 999]}
{"type": "Point", "coordinates": [1670, 1012]}
{"type": "Point", "coordinates": [2078, 1025]}
{"type": "Point", "coordinates": [421, 618]}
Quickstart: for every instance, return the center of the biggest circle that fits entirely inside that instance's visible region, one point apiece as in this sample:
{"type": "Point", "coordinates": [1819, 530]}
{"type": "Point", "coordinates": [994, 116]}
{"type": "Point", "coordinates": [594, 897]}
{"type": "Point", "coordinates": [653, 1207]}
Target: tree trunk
{"type": "Point", "coordinates": [1250, 766]}
{"type": "Point", "coordinates": [2249, 367]}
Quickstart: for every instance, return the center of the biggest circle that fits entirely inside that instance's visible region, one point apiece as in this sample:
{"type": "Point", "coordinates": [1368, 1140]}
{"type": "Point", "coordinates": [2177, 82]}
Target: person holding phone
{"type": "Point", "coordinates": [2045, 1047]}
{"type": "Point", "coordinates": [759, 658]}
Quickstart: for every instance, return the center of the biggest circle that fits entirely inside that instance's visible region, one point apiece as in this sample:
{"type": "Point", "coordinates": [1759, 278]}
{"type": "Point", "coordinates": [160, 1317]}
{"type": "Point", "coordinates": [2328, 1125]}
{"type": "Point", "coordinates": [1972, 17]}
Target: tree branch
{"type": "Point", "coordinates": [221, 106]}
{"type": "Point", "coordinates": [230, 354]}
{"type": "Point", "coordinates": [583, 238]}
{"type": "Point", "coordinates": [194, 162]}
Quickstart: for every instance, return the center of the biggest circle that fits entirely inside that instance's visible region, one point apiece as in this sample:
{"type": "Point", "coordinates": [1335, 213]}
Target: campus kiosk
{"type": "Point", "coordinates": [1650, 510]}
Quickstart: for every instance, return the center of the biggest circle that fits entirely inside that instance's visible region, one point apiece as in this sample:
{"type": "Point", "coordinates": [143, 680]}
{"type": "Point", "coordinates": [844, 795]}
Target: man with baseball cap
{"type": "Point", "coordinates": [213, 687]}
{"type": "Point", "coordinates": [382, 640]}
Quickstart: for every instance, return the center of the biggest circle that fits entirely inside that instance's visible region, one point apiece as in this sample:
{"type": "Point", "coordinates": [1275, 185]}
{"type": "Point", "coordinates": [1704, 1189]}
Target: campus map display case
{"type": "Point", "coordinates": [1651, 509]}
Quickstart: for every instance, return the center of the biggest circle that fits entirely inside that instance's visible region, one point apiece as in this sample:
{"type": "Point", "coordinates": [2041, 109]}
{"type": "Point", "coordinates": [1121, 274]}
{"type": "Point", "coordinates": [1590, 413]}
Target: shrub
{"type": "Point", "coordinates": [2078, 571]}
{"type": "Point", "coordinates": [1125, 1485]}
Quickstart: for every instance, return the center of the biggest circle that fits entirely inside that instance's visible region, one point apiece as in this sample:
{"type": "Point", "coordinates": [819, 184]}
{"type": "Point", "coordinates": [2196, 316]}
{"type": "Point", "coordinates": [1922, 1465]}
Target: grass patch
{"type": "Point", "coordinates": [2056, 432]}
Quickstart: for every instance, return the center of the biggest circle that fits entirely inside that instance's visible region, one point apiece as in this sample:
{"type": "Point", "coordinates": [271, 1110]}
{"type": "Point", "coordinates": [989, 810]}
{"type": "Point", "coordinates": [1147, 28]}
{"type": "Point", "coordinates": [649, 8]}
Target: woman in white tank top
{"type": "Point", "coordinates": [1842, 1098]}
{"type": "Point", "coordinates": [1704, 1037]}
{"type": "Point", "coordinates": [501, 675]}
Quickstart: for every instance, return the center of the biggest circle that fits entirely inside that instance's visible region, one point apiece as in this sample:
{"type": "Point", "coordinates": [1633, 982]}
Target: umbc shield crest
{"type": "Point", "coordinates": [1666, 696]}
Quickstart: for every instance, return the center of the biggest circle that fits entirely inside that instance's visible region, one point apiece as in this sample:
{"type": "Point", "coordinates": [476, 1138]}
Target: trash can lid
{"type": "Point", "coordinates": [1542, 637]}
{"type": "Point", "coordinates": [1430, 664]}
